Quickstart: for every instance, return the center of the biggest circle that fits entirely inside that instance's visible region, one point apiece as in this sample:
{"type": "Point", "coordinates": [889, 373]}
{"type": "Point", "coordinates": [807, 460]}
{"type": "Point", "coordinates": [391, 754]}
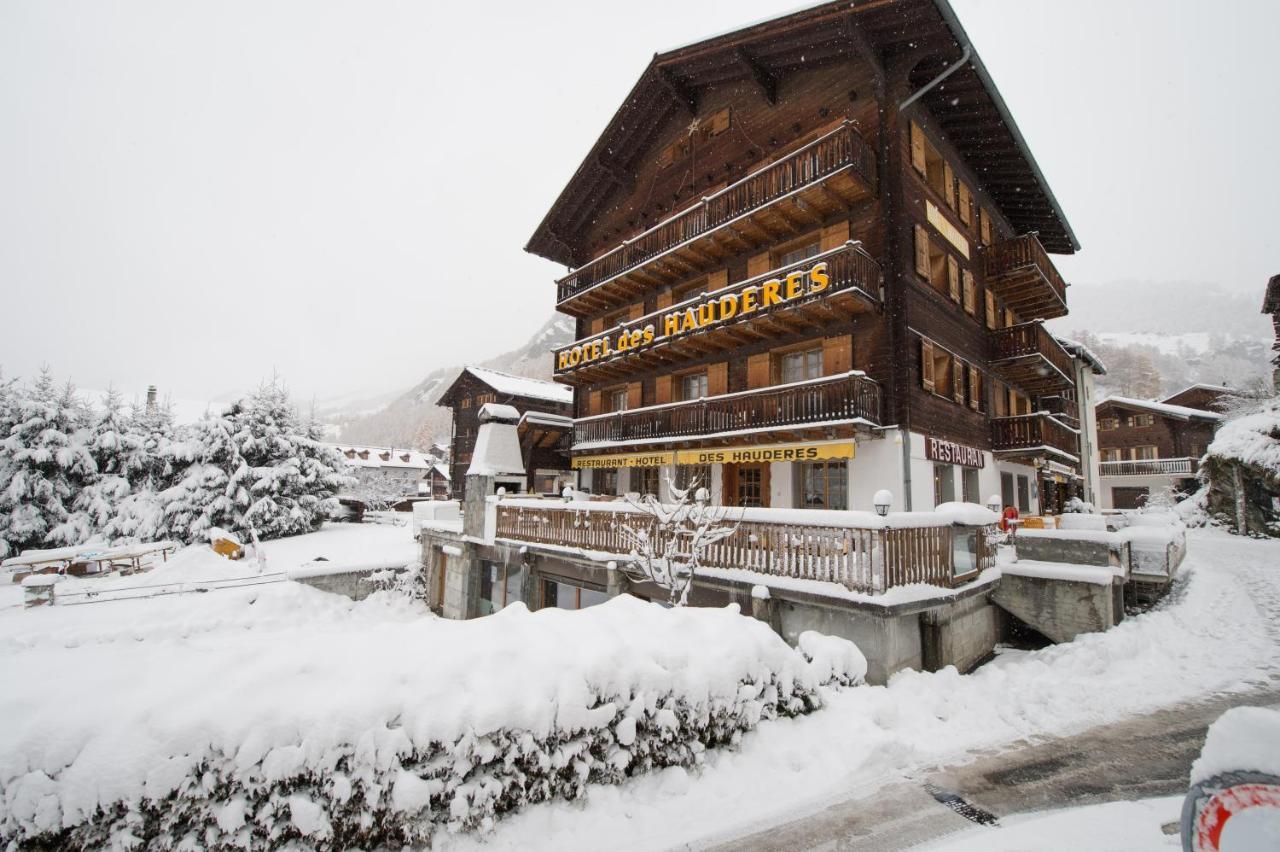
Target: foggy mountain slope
{"type": "Point", "coordinates": [413, 418]}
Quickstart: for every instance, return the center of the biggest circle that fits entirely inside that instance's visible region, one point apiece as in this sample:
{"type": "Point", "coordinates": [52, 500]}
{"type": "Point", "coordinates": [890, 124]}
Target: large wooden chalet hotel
{"type": "Point", "coordinates": [810, 260]}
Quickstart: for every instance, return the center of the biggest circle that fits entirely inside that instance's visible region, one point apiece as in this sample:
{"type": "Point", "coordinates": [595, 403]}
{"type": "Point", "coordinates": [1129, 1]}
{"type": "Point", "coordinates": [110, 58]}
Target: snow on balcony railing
{"type": "Point", "coordinates": [1149, 467]}
{"type": "Point", "coordinates": [858, 550]}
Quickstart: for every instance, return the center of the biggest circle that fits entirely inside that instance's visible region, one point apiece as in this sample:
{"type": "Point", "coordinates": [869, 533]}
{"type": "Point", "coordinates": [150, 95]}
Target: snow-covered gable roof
{"type": "Point", "coordinates": [1085, 354]}
{"type": "Point", "coordinates": [443, 470]}
{"type": "Point", "coordinates": [358, 456]}
{"type": "Point", "coordinates": [1179, 412]}
{"type": "Point", "coordinates": [1220, 390]}
{"type": "Point", "coordinates": [505, 383]}
{"type": "Point", "coordinates": [543, 418]}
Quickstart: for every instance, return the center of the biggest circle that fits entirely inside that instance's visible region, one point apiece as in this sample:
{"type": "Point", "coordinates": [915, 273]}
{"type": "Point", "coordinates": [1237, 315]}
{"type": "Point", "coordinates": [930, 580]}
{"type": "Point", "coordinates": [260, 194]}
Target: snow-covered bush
{"type": "Point", "coordinates": [364, 738]}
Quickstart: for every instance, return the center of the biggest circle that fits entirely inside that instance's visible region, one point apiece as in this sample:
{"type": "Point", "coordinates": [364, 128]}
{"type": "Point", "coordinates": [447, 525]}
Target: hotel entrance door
{"type": "Point", "coordinates": [746, 485]}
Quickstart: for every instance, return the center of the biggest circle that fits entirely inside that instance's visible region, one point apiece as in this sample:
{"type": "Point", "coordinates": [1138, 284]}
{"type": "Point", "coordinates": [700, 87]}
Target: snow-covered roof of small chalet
{"type": "Point", "coordinates": [505, 383]}
{"type": "Point", "coordinates": [358, 456]}
{"type": "Point", "coordinates": [496, 411]}
{"type": "Point", "coordinates": [442, 469]}
{"type": "Point", "coordinates": [1085, 354]}
{"type": "Point", "coordinates": [1180, 412]}
{"type": "Point", "coordinates": [1221, 390]}
{"type": "Point", "coordinates": [545, 418]}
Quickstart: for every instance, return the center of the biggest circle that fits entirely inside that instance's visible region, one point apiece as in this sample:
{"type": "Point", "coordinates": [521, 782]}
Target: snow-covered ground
{"type": "Point", "coordinates": [279, 646]}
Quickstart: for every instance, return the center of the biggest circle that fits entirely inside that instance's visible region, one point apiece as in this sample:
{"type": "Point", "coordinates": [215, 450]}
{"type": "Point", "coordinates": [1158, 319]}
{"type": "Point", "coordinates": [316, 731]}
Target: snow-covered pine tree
{"type": "Point", "coordinates": [208, 488]}
{"type": "Point", "coordinates": [117, 455]}
{"type": "Point", "coordinates": [46, 466]}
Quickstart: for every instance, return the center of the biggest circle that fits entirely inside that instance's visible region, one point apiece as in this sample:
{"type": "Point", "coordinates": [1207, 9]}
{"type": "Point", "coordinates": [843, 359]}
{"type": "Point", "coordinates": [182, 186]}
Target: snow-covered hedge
{"type": "Point", "coordinates": [209, 737]}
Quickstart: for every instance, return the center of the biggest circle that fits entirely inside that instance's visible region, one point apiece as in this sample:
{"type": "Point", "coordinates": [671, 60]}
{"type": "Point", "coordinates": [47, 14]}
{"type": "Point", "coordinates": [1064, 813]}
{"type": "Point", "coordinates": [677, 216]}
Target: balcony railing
{"type": "Point", "coordinates": [1030, 357]}
{"type": "Point", "coordinates": [841, 149]}
{"type": "Point", "coordinates": [851, 549]}
{"type": "Point", "coordinates": [1034, 434]}
{"type": "Point", "coordinates": [1020, 272]}
{"type": "Point", "coordinates": [1150, 467]}
{"type": "Point", "coordinates": [847, 397]}
{"type": "Point", "coordinates": [854, 282]}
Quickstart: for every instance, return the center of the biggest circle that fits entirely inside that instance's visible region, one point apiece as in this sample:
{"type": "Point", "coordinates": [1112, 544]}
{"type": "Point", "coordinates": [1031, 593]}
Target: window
{"type": "Point", "coordinates": [1111, 454]}
{"type": "Point", "coordinates": [486, 398]}
{"type": "Point", "coordinates": [689, 474]}
{"type": "Point", "coordinates": [822, 485]}
{"type": "Point", "coordinates": [969, 484]}
{"type": "Point", "coordinates": [1140, 420]}
{"type": "Point", "coordinates": [604, 480]}
{"type": "Point", "coordinates": [929, 163]}
{"type": "Point", "coordinates": [935, 265]}
{"type": "Point", "coordinates": [563, 595]}
{"type": "Point", "coordinates": [800, 365]}
{"type": "Point", "coordinates": [1144, 453]}
{"type": "Point", "coordinates": [1024, 495]}
{"type": "Point", "coordinates": [750, 481]}
{"type": "Point", "coordinates": [693, 386]}
{"type": "Point", "coordinates": [936, 370]}
{"type": "Point", "coordinates": [687, 291]}
{"type": "Point", "coordinates": [800, 253]}
{"type": "Point", "coordinates": [944, 484]}
{"type": "Point", "coordinates": [647, 480]}
{"type": "Point", "coordinates": [615, 319]}
{"type": "Point", "coordinates": [617, 399]}
{"type": "Point", "coordinates": [1106, 424]}
{"type": "Point", "coordinates": [499, 586]}
{"type": "Point", "coordinates": [1197, 450]}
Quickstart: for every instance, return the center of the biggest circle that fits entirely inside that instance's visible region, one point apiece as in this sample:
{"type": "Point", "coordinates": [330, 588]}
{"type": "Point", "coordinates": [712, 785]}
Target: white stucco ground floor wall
{"type": "Point", "coordinates": [892, 460]}
{"type": "Point", "coordinates": [1160, 489]}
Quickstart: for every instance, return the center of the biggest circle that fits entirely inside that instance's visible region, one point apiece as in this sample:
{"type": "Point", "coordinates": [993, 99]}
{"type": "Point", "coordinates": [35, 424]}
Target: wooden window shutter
{"type": "Point", "coordinates": [917, 149]}
{"type": "Point", "coordinates": [975, 388]}
{"type": "Point", "coordinates": [922, 251]}
{"type": "Point", "coordinates": [758, 371]}
{"type": "Point", "coordinates": [635, 311]}
{"type": "Point", "coordinates": [634, 395]}
{"type": "Point", "coordinates": [837, 355]}
{"type": "Point", "coordinates": [949, 185]}
{"type": "Point", "coordinates": [1008, 318]}
{"type": "Point", "coordinates": [970, 293]}
{"type": "Point", "coordinates": [662, 390]}
{"type": "Point", "coordinates": [718, 280]}
{"type": "Point", "coordinates": [595, 403]}
{"type": "Point", "coordinates": [664, 299]}
{"type": "Point", "coordinates": [834, 235]}
{"type": "Point", "coordinates": [953, 278]}
{"type": "Point", "coordinates": [966, 205]}
{"type": "Point", "coordinates": [991, 310]}
{"type": "Point", "coordinates": [984, 225]}
{"type": "Point", "coordinates": [718, 379]}
{"type": "Point", "coordinates": [926, 364]}
{"type": "Point", "coordinates": [957, 380]}
{"type": "Point", "coordinates": [595, 326]}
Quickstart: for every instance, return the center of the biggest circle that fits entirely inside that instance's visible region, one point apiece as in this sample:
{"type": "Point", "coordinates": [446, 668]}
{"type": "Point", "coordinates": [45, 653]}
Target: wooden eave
{"type": "Point", "coordinates": [967, 106]}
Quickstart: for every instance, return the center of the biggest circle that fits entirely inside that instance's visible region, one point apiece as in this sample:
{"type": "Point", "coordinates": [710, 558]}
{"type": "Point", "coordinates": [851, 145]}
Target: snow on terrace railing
{"type": "Point", "coordinates": [858, 550]}
{"type": "Point", "coordinates": [1148, 467]}
{"type": "Point", "coordinates": [842, 148]}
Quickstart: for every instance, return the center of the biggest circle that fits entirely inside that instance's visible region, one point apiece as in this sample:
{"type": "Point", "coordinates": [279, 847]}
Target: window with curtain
{"type": "Point", "coordinates": [822, 485]}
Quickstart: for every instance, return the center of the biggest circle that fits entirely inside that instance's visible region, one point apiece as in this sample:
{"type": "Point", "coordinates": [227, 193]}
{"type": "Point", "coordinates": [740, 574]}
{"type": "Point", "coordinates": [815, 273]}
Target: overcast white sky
{"type": "Point", "coordinates": [193, 194]}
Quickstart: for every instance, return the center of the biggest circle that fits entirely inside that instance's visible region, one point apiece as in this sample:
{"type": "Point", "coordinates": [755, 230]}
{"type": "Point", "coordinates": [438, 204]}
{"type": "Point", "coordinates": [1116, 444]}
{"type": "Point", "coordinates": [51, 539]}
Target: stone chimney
{"type": "Point", "coordinates": [152, 405]}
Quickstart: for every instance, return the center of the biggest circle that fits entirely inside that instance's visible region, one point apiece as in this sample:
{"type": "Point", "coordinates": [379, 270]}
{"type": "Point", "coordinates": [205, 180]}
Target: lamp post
{"type": "Point", "coordinates": [882, 500]}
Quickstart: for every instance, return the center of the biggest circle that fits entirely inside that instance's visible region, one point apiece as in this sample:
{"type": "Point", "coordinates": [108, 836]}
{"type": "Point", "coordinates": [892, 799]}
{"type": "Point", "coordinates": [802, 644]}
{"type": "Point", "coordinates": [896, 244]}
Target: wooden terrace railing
{"type": "Point", "coordinates": [1149, 467]}
{"type": "Point", "coordinates": [841, 148]}
{"type": "Point", "coordinates": [849, 396]}
{"type": "Point", "coordinates": [1033, 431]}
{"type": "Point", "coordinates": [870, 560]}
{"type": "Point", "coordinates": [1029, 339]}
{"type": "Point", "coordinates": [1019, 270]}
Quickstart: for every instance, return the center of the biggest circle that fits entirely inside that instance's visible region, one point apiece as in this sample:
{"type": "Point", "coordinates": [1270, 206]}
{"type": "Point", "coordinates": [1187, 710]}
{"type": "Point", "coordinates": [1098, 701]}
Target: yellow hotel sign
{"type": "Point", "coordinates": [724, 455]}
{"type": "Point", "coordinates": [769, 453]}
{"type": "Point", "coordinates": [708, 311]}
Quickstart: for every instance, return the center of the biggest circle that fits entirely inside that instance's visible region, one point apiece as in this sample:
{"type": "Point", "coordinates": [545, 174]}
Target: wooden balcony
{"type": "Point", "coordinates": [861, 554]}
{"type": "Point", "coordinates": [1032, 435]}
{"type": "Point", "coordinates": [780, 199]}
{"type": "Point", "coordinates": [853, 286]}
{"type": "Point", "coordinates": [1150, 467]}
{"type": "Point", "coordinates": [1062, 407]}
{"type": "Point", "coordinates": [1028, 356]}
{"type": "Point", "coordinates": [838, 399]}
{"type": "Point", "coordinates": [1020, 273]}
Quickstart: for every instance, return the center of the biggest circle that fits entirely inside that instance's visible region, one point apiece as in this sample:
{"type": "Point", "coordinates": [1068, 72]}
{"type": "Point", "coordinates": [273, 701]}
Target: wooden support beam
{"type": "Point", "coordinates": [764, 80]}
{"type": "Point", "coordinates": [682, 94]}
{"type": "Point", "coordinates": [617, 174]}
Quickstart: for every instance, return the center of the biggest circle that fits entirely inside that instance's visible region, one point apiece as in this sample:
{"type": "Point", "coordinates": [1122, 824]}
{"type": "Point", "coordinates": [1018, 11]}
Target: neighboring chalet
{"type": "Point", "coordinates": [1151, 450]}
{"type": "Point", "coordinates": [546, 410]}
{"type": "Point", "coordinates": [387, 473]}
{"type": "Point", "coordinates": [1271, 305]}
{"type": "Point", "coordinates": [811, 259]}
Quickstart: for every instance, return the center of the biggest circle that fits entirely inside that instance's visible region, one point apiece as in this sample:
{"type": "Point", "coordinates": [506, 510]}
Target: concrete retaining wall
{"type": "Point", "coordinates": [1060, 609]}
{"type": "Point", "coordinates": [351, 584]}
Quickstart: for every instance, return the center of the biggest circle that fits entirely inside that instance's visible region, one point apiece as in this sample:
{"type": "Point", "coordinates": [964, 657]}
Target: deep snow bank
{"type": "Point", "coordinates": [253, 717]}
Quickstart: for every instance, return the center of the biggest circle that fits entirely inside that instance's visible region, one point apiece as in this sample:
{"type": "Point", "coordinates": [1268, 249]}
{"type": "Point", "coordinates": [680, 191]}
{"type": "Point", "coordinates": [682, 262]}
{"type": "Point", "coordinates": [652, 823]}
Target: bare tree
{"type": "Point", "coordinates": [667, 548]}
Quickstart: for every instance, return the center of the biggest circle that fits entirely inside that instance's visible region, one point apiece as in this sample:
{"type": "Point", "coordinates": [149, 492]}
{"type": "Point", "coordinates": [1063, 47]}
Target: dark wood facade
{"type": "Point", "coordinates": [466, 396]}
{"type": "Point", "coordinates": [819, 137]}
{"type": "Point", "coordinates": [1150, 447]}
